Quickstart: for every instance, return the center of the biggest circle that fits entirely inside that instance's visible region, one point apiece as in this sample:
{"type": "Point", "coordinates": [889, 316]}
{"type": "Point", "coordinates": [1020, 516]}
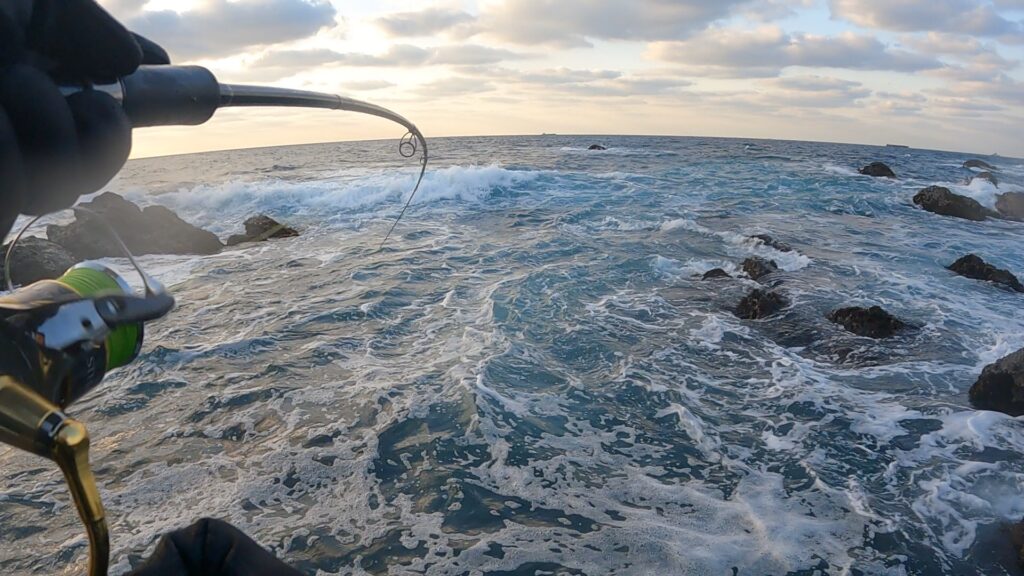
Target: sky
{"type": "Point", "coordinates": [939, 74]}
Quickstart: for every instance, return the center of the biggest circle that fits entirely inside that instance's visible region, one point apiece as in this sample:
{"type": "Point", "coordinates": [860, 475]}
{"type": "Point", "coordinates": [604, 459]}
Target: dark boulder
{"type": "Point", "coordinates": [757, 267]}
{"type": "Point", "coordinates": [1011, 205]}
{"type": "Point", "coordinates": [939, 200]}
{"type": "Point", "coordinates": [772, 243]}
{"type": "Point", "coordinates": [877, 170]}
{"type": "Point", "coordinates": [760, 304]}
{"type": "Point", "coordinates": [1001, 386]}
{"type": "Point", "coordinates": [152, 230]}
{"type": "Point", "coordinates": [1017, 540]}
{"type": "Point", "coordinates": [979, 164]}
{"type": "Point", "coordinates": [974, 267]}
{"type": "Point", "coordinates": [36, 259]}
{"type": "Point", "coordinates": [260, 228]}
{"type": "Point", "coordinates": [990, 177]}
{"type": "Point", "coordinates": [871, 322]}
{"type": "Point", "coordinates": [716, 273]}
{"type": "Point", "coordinates": [596, 147]}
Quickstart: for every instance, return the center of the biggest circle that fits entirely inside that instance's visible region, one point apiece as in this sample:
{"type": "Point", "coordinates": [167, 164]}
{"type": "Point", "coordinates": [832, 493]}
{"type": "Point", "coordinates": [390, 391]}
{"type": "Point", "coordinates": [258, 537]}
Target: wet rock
{"type": "Point", "coordinates": [979, 164]}
{"type": "Point", "coordinates": [757, 267]}
{"type": "Point", "coordinates": [1017, 540]}
{"type": "Point", "coordinates": [877, 170]}
{"type": "Point", "coordinates": [1011, 205]}
{"type": "Point", "coordinates": [761, 304]}
{"type": "Point", "coordinates": [939, 200]}
{"type": "Point", "coordinates": [985, 176]}
{"type": "Point", "coordinates": [1000, 387]}
{"type": "Point", "coordinates": [772, 243]}
{"type": "Point", "coordinates": [871, 322]}
{"type": "Point", "coordinates": [972, 266]}
{"type": "Point", "coordinates": [596, 147]}
{"type": "Point", "coordinates": [152, 230]}
{"type": "Point", "coordinates": [36, 259]}
{"type": "Point", "coordinates": [716, 273]}
{"type": "Point", "coordinates": [260, 228]}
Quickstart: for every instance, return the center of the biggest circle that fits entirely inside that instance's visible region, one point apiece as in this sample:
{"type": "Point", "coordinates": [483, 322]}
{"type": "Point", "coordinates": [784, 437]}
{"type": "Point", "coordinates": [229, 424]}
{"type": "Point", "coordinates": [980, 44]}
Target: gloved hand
{"type": "Point", "coordinates": [54, 149]}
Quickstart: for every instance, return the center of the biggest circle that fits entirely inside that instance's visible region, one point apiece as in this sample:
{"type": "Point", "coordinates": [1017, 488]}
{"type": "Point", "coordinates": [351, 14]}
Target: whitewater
{"type": "Point", "coordinates": [532, 378]}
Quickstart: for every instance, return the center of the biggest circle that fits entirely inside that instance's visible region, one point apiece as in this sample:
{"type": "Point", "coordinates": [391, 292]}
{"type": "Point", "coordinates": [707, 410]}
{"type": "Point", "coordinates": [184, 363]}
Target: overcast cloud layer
{"type": "Point", "coordinates": [930, 73]}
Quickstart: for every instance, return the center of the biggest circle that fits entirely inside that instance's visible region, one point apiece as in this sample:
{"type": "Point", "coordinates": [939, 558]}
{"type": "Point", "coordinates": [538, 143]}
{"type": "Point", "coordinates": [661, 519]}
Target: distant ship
{"type": "Point", "coordinates": [896, 146]}
{"type": "Point", "coordinates": [548, 134]}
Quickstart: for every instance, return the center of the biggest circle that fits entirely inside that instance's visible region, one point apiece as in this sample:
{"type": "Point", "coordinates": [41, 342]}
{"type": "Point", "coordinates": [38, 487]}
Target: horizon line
{"type": "Point", "coordinates": [556, 134]}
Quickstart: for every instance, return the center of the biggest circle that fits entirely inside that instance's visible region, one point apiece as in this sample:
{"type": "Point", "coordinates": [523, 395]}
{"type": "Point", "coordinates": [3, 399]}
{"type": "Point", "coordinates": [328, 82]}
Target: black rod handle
{"type": "Point", "coordinates": [170, 96]}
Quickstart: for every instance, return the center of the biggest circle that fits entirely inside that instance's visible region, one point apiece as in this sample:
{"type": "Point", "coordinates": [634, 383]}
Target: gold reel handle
{"type": "Point", "coordinates": [29, 422]}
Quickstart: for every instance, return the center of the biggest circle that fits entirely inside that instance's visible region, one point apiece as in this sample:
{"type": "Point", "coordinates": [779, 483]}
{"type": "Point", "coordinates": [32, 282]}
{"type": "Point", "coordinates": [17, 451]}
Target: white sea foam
{"type": "Point", "coordinates": [741, 245]}
{"type": "Point", "coordinates": [221, 207]}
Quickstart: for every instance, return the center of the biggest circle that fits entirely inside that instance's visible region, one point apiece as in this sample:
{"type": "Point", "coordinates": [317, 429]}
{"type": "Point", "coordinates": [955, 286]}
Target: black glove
{"type": "Point", "coordinates": [211, 548]}
{"type": "Point", "coordinates": [54, 149]}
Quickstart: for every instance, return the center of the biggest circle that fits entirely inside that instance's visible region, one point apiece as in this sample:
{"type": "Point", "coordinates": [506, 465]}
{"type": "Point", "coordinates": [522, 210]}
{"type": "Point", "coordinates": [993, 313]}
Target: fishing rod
{"type": "Point", "coordinates": [62, 336]}
{"type": "Point", "coordinates": [190, 95]}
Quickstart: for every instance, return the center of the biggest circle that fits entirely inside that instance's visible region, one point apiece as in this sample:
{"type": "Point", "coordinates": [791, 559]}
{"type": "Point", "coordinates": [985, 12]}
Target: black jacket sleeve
{"type": "Point", "coordinates": [211, 548]}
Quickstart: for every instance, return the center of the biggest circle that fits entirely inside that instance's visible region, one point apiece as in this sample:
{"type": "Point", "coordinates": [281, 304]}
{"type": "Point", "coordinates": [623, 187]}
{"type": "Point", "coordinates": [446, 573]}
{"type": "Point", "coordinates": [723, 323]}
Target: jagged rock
{"type": "Point", "coordinates": [260, 228]}
{"type": "Point", "coordinates": [757, 267]}
{"type": "Point", "coordinates": [877, 170]}
{"type": "Point", "coordinates": [1017, 539]}
{"type": "Point", "coordinates": [36, 259]}
{"type": "Point", "coordinates": [939, 200]}
{"type": "Point", "coordinates": [985, 176]}
{"type": "Point", "coordinates": [596, 147]}
{"type": "Point", "coordinates": [760, 304]}
{"type": "Point", "coordinates": [716, 273]}
{"type": "Point", "coordinates": [1011, 205]}
{"type": "Point", "coordinates": [772, 243]}
{"type": "Point", "coordinates": [872, 322]}
{"type": "Point", "coordinates": [974, 267]}
{"type": "Point", "coordinates": [1001, 386]}
{"type": "Point", "coordinates": [979, 164]}
{"type": "Point", "coordinates": [152, 230]}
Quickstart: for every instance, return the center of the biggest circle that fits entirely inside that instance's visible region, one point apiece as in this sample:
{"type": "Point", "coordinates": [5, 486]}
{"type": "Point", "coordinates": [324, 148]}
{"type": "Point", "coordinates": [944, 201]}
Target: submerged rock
{"type": "Point", "coordinates": [1000, 387]}
{"type": "Point", "coordinates": [36, 259]}
{"type": "Point", "coordinates": [1011, 205]}
{"type": "Point", "coordinates": [716, 273]}
{"type": "Point", "coordinates": [972, 266]}
{"type": "Point", "coordinates": [877, 170]}
{"type": "Point", "coordinates": [757, 267]}
{"type": "Point", "coordinates": [990, 177]}
{"type": "Point", "coordinates": [151, 230]}
{"type": "Point", "coordinates": [939, 200]}
{"type": "Point", "coordinates": [1017, 540]}
{"type": "Point", "coordinates": [760, 304]}
{"type": "Point", "coordinates": [260, 228]}
{"type": "Point", "coordinates": [979, 164]}
{"type": "Point", "coordinates": [772, 242]}
{"type": "Point", "coordinates": [596, 147]}
{"type": "Point", "coordinates": [871, 322]}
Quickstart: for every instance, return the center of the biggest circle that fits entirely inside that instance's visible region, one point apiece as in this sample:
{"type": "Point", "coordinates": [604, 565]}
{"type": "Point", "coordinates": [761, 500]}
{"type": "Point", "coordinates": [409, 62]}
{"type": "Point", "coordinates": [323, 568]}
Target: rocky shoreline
{"type": "Point", "coordinates": [101, 224]}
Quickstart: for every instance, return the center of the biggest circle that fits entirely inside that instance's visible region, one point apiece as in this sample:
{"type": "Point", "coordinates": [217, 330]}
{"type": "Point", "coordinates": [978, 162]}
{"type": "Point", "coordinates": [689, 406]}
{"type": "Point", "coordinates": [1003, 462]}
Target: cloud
{"type": "Point", "coordinates": [570, 23]}
{"type": "Point", "coordinates": [960, 16]}
{"type": "Point", "coordinates": [817, 91]}
{"type": "Point", "coordinates": [427, 22]}
{"type": "Point", "coordinates": [215, 28]}
{"type": "Point", "coordinates": [769, 10]}
{"type": "Point", "coordinates": [276, 64]}
{"type": "Point", "coordinates": [769, 50]}
{"type": "Point", "coordinates": [576, 82]}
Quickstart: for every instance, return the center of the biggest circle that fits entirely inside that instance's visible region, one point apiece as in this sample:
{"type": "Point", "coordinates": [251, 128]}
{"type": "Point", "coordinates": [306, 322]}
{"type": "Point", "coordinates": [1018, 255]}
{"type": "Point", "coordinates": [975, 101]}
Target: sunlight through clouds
{"type": "Point", "coordinates": [921, 71]}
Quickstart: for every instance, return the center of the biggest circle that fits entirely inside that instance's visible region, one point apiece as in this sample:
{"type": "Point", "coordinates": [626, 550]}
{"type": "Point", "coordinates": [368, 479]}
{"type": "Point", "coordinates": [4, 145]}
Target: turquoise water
{"type": "Point", "coordinates": [531, 378]}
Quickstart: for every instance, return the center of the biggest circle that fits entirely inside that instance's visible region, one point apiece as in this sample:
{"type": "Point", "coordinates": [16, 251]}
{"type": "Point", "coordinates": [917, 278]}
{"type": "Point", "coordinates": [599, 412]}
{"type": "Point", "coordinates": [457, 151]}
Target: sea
{"type": "Point", "coordinates": [531, 378]}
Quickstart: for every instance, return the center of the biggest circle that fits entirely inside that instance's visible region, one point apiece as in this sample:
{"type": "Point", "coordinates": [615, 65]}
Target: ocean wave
{"type": "Point", "coordinates": [741, 245]}
{"type": "Point", "coordinates": [223, 206]}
